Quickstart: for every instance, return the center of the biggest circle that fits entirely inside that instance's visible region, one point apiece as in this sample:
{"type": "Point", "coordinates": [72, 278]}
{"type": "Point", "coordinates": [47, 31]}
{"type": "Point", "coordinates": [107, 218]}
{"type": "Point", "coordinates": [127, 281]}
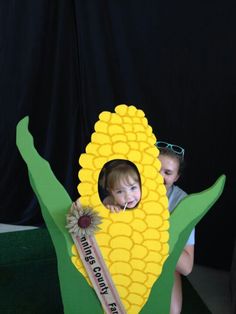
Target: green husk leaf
{"type": "Point", "coordinates": [182, 220]}
{"type": "Point", "coordinates": [77, 295]}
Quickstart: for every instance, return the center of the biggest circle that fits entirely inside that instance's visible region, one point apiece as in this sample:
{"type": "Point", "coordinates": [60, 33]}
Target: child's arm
{"type": "Point", "coordinates": [185, 262]}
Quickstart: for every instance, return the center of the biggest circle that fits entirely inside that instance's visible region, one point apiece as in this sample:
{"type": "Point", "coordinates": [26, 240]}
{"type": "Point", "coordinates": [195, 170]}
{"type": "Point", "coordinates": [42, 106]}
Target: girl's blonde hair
{"type": "Point", "coordinates": [116, 171]}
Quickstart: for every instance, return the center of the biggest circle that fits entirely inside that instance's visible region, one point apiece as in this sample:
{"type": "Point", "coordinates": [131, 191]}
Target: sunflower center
{"type": "Point", "coordinates": [84, 221]}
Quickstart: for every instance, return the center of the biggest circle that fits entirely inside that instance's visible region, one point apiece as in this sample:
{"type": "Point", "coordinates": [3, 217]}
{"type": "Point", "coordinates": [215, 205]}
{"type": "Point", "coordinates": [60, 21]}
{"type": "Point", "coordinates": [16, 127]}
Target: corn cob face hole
{"type": "Point", "coordinates": [119, 181]}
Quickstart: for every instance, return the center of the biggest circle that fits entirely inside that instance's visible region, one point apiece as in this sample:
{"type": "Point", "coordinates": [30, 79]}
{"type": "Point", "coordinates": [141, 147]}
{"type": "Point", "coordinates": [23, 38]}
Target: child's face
{"type": "Point", "coordinates": [169, 170]}
{"type": "Point", "coordinates": [127, 191]}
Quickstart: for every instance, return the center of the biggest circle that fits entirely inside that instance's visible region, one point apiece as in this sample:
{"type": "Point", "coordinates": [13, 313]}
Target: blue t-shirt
{"type": "Point", "coordinates": [175, 195]}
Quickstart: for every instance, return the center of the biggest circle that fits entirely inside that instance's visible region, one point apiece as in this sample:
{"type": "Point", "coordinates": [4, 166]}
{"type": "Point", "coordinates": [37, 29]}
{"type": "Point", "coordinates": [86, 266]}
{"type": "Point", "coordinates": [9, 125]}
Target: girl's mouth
{"type": "Point", "coordinates": [130, 204]}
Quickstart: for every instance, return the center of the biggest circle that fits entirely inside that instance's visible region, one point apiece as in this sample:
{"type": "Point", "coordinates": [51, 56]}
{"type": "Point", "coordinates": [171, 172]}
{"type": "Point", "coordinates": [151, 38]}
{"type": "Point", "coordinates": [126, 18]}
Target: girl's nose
{"type": "Point", "coordinates": [127, 197]}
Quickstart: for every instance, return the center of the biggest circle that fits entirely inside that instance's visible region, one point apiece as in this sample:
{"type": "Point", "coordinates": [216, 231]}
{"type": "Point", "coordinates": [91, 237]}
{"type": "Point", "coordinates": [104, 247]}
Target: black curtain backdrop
{"type": "Point", "coordinates": [63, 62]}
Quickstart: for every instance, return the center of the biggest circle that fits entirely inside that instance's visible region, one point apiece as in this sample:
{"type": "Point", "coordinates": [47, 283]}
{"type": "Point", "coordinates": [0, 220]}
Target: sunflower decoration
{"type": "Point", "coordinates": [134, 243]}
{"type": "Point", "coordinates": [82, 221]}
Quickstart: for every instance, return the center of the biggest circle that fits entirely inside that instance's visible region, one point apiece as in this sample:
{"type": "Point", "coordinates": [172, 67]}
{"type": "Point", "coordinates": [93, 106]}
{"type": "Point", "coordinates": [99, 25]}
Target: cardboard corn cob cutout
{"type": "Point", "coordinates": [140, 247]}
{"type": "Point", "coordinates": [134, 243]}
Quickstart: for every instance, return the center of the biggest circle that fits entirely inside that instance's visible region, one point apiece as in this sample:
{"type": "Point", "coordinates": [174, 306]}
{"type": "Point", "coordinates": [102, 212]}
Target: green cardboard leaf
{"type": "Point", "coordinates": [77, 295]}
{"type": "Point", "coordinates": [182, 221]}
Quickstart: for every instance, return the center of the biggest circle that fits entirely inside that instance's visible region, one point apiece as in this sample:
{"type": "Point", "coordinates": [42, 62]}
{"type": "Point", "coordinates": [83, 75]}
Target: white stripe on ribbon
{"type": "Point", "coordinates": [98, 273]}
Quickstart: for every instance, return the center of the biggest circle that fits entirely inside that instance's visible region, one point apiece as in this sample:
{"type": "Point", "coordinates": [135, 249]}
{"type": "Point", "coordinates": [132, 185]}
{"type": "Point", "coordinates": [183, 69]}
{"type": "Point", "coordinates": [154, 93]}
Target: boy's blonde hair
{"type": "Point", "coordinates": [116, 171]}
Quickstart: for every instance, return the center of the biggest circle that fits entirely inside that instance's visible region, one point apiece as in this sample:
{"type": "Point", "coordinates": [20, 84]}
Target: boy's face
{"type": "Point", "coordinates": [169, 170]}
{"type": "Point", "coordinates": [127, 193]}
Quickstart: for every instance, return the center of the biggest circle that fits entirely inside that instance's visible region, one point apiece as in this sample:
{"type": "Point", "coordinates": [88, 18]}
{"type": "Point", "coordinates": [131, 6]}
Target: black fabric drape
{"type": "Point", "coordinates": [64, 62]}
{"type": "Point", "coordinates": [39, 79]}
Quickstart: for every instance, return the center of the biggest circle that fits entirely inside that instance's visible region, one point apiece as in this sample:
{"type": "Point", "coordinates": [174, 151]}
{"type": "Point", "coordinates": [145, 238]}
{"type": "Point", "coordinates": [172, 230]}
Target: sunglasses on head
{"type": "Point", "coordinates": [175, 148]}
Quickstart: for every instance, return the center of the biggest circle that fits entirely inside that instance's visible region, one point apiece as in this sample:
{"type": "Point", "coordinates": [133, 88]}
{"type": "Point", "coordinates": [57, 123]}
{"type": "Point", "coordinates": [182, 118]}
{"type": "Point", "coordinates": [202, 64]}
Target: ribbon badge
{"type": "Point", "coordinates": [82, 223]}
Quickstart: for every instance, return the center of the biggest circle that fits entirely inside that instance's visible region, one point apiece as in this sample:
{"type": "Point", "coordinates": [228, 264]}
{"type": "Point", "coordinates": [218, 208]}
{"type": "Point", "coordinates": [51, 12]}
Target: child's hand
{"type": "Point", "coordinates": [108, 202]}
{"type": "Point", "coordinates": [113, 208]}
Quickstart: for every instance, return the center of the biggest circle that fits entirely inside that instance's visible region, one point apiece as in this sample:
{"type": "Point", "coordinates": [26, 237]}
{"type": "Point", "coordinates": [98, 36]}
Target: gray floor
{"type": "Point", "coordinates": [211, 284]}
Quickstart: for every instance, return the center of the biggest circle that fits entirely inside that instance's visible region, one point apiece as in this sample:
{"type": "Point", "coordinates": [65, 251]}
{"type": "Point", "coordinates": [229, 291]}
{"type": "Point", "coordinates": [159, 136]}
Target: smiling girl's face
{"type": "Point", "coordinates": [169, 169]}
{"type": "Point", "coordinates": [126, 192]}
